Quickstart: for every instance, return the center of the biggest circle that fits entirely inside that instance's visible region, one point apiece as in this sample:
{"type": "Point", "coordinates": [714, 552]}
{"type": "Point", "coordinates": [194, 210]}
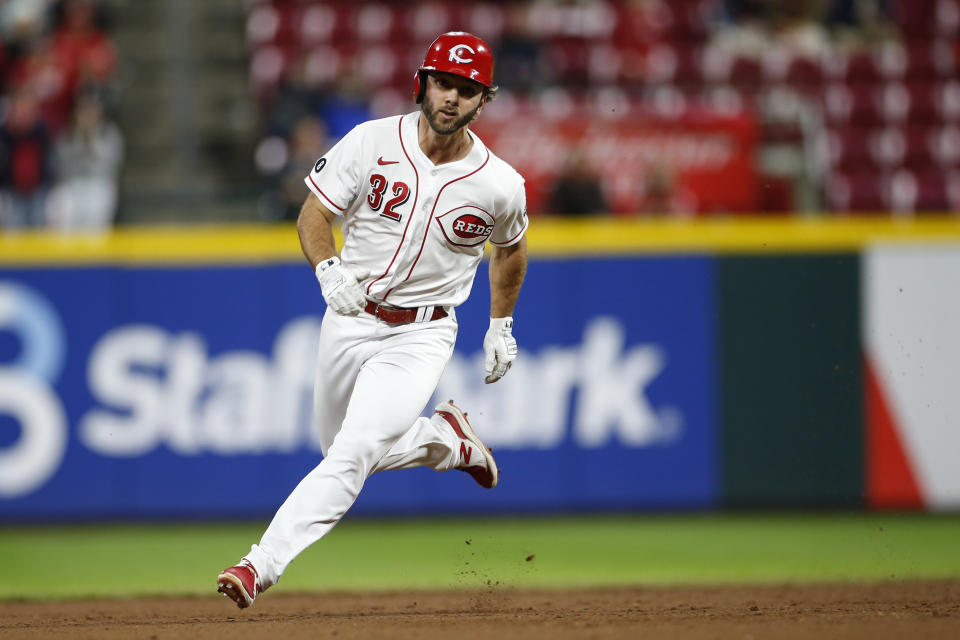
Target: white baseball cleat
{"type": "Point", "coordinates": [475, 457]}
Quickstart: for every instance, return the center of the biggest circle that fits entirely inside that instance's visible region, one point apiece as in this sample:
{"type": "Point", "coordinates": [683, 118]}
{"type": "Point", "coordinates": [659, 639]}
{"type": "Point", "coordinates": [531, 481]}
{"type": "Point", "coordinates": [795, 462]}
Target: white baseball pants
{"type": "Point", "coordinates": [373, 381]}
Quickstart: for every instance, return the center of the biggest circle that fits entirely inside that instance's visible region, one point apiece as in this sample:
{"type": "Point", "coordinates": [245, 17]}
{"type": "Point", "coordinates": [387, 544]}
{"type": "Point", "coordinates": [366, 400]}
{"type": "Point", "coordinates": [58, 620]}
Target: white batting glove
{"type": "Point", "coordinates": [341, 287]}
{"type": "Point", "coordinates": [499, 348]}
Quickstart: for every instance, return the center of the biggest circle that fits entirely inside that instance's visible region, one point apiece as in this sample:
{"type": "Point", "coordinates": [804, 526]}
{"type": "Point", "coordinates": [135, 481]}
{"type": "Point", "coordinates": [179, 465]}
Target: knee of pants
{"type": "Point", "coordinates": [358, 455]}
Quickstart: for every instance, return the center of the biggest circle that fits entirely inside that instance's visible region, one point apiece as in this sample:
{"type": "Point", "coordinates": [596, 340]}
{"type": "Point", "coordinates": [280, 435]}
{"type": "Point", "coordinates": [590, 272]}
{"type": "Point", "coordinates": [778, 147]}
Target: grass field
{"type": "Point", "coordinates": [79, 561]}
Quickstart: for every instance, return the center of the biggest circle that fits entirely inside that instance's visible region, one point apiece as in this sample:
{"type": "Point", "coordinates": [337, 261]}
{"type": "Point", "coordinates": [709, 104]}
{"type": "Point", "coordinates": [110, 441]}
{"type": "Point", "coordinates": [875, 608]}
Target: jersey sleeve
{"type": "Point", "coordinates": [335, 177]}
{"type": "Point", "coordinates": [512, 222]}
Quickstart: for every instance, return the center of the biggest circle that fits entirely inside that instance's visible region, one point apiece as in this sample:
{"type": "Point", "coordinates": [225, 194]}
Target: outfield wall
{"type": "Point", "coordinates": [662, 366]}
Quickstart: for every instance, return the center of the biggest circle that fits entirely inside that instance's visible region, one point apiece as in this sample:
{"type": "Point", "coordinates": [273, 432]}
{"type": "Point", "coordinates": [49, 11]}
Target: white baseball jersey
{"type": "Point", "coordinates": [418, 228]}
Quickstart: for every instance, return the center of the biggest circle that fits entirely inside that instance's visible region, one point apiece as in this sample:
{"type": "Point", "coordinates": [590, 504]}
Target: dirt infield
{"type": "Point", "coordinates": [913, 610]}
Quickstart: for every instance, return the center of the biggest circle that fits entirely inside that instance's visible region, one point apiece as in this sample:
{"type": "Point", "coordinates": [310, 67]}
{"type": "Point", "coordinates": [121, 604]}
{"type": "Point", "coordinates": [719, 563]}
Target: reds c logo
{"type": "Point", "coordinates": [457, 51]}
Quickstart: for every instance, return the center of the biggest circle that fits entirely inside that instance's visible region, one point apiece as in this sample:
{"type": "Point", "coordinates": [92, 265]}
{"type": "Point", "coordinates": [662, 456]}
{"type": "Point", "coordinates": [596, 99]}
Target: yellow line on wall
{"type": "Point", "coordinates": [546, 237]}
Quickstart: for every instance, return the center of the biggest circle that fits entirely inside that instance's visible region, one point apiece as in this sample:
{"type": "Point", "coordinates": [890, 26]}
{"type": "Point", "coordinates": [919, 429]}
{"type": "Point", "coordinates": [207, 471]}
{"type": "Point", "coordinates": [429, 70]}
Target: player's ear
{"type": "Point", "coordinates": [483, 103]}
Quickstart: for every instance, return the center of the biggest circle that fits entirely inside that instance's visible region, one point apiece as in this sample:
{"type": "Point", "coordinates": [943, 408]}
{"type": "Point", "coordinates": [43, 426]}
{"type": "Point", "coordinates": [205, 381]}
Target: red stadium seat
{"type": "Point", "coordinates": [381, 23]}
{"type": "Point", "coordinates": [853, 68]}
{"type": "Point", "coordinates": [690, 21]}
{"type": "Point", "coordinates": [860, 105]}
{"type": "Point", "coordinates": [321, 23]}
{"type": "Point", "coordinates": [487, 18]}
{"type": "Point", "coordinates": [945, 145]}
{"type": "Point", "coordinates": [859, 191]}
{"type": "Point", "coordinates": [804, 73]}
{"type": "Point", "coordinates": [426, 20]}
{"type": "Point", "coordinates": [569, 60]}
{"type": "Point", "coordinates": [672, 65]}
{"type": "Point", "coordinates": [947, 100]}
{"type": "Point", "coordinates": [263, 25]}
{"type": "Point", "coordinates": [746, 73]}
{"type": "Point", "coordinates": [903, 148]}
{"type": "Point", "coordinates": [376, 64]}
{"type": "Point", "coordinates": [848, 149]}
{"type": "Point", "coordinates": [915, 21]}
{"type": "Point", "coordinates": [603, 64]}
{"type": "Point", "coordinates": [322, 65]}
{"type": "Point", "coordinates": [929, 191]}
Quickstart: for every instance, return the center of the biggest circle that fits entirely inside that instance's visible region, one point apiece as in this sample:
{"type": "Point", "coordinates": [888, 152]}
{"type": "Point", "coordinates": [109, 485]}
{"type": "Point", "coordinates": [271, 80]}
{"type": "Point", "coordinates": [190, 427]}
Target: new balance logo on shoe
{"type": "Point", "coordinates": [481, 467]}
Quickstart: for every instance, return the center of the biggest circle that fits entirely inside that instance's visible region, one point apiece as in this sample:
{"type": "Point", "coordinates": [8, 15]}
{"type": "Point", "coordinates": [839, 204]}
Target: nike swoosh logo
{"type": "Point", "coordinates": [382, 162]}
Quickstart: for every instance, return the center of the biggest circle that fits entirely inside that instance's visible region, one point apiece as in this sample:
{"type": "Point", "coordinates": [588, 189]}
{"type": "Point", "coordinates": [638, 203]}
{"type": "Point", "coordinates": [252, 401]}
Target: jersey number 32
{"type": "Point", "coordinates": [378, 187]}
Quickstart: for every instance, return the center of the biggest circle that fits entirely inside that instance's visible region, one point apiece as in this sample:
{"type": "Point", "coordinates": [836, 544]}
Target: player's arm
{"type": "Point", "coordinates": [315, 227]}
{"type": "Point", "coordinates": [340, 286]}
{"type": "Point", "coordinates": [508, 265]}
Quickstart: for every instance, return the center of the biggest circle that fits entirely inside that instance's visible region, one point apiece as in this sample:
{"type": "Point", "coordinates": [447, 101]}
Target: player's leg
{"type": "Point", "coordinates": [345, 344]}
{"type": "Point", "coordinates": [390, 392]}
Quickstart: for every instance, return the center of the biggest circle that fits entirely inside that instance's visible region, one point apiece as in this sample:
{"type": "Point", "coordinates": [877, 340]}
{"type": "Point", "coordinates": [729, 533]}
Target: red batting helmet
{"type": "Point", "coordinates": [459, 53]}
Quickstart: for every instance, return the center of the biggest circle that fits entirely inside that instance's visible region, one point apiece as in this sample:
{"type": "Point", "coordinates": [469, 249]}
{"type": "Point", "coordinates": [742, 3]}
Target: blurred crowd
{"type": "Point", "coordinates": [842, 90]}
{"type": "Point", "coordinates": [60, 152]}
{"type": "Point", "coordinates": [855, 103]}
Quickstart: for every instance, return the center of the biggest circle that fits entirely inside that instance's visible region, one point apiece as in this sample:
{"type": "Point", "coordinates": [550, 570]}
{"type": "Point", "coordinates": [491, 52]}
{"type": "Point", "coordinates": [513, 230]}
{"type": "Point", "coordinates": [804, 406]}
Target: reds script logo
{"type": "Point", "coordinates": [466, 226]}
{"type": "Point", "coordinates": [457, 50]}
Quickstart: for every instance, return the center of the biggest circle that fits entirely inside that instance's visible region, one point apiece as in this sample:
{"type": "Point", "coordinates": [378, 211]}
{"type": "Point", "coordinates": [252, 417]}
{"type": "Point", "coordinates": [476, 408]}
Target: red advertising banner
{"type": "Point", "coordinates": [696, 163]}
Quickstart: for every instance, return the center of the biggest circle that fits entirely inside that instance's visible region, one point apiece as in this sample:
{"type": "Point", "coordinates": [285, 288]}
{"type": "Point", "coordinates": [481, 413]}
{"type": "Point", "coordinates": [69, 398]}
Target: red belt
{"type": "Point", "coordinates": [394, 315]}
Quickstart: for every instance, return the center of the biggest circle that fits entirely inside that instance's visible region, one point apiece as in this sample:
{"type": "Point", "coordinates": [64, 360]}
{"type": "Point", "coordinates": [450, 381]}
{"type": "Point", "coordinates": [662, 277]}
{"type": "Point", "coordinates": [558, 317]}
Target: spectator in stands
{"type": "Point", "coordinates": [308, 141]}
{"type": "Point", "coordinates": [87, 162]}
{"type": "Point", "coordinates": [38, 69]}
{"type": "Point", "coordinates": [83, 47]}
{"type": "Point", "coordinates": [23, 21]}
{"type": "Point", "coordinates": [346, 106]}
{"type": "Point", "coordinates": [745, 31]}
{"type": "Point", "coordinates": [664, 195]}
{"type": "Point", "coordinates": [24, 163]}
{"type": "Point", "coordinates": [798, 26]}
{"type": "Point", "coordinates": [861, 23]}
{"type": "Point", "coordinates": [520, 56]}
{"type": "Point", "coordinates": [296, 96]}
{"type": "Point", "coordinates": [577, 190]}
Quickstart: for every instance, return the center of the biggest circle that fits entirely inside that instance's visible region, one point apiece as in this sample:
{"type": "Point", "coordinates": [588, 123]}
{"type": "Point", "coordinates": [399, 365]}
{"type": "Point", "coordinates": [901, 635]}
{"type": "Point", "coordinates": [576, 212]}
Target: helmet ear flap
{"type": "Point", "coordinates": [420, 85]}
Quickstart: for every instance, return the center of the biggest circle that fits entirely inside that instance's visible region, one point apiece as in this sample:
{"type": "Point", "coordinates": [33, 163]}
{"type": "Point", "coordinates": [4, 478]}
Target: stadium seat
{"type": "Point", "coordinates": [947, 100]}
{"type": "Point", "coordinates": [945, 145]}
{"type": "Point", "coordinates": [376, 65]}
{"type": "Point", "coordinates": [927, 191]}
{"type": "Point", "coordinates": [263, 25]}
{"type": "Point", "coordinates": [896, 147]}
{"type": "Point", "coordinates": [380, 23]}
{"type": "Point", "coordinates": [806, 74]}
{"type": "Point", "coordinates": [848, 149]}
{"type": "Point", "coordinates": [322, 65]}
{"type": "Point", "coordinates": [569, 60]}
{"type": "Point", "coordinates": [319, 24]}
{"type": "Point", "coordinates": [689, 25]}
{"type": "Point", "coordinates": [672, 65]}
{"type": "Point", "coordinates": [860, 105]}
{"type": "Point", "coordinates": [860, 67]}
{"type": "Point", "coordinates": [487, 18]}
{"type": "Point", "coordinates": [914, 22]}
{"type": "Point", "coordinates": [857, 191]}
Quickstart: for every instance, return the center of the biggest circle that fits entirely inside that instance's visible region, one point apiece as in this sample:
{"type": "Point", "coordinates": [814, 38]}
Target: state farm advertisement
{"type": "Point", "coordinates": [696, 163]}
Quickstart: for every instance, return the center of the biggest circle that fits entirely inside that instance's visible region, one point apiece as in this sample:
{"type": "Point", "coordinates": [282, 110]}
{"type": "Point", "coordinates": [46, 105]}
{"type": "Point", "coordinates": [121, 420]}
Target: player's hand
{"type": "Point", "coordinates": [499, 348]}
{"type": "Point", "coordinates": [341, 287]}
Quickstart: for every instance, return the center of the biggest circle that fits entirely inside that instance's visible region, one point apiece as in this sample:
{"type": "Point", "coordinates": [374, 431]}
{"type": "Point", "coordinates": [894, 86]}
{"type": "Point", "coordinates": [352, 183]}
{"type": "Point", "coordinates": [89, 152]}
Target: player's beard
{"type": "Point", "coordinates": [430, 112]}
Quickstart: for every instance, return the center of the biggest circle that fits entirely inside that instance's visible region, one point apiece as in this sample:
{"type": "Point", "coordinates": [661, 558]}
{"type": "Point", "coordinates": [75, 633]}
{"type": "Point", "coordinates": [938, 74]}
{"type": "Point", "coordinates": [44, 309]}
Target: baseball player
{"type": "Point", "coordinates": [419, 196]}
